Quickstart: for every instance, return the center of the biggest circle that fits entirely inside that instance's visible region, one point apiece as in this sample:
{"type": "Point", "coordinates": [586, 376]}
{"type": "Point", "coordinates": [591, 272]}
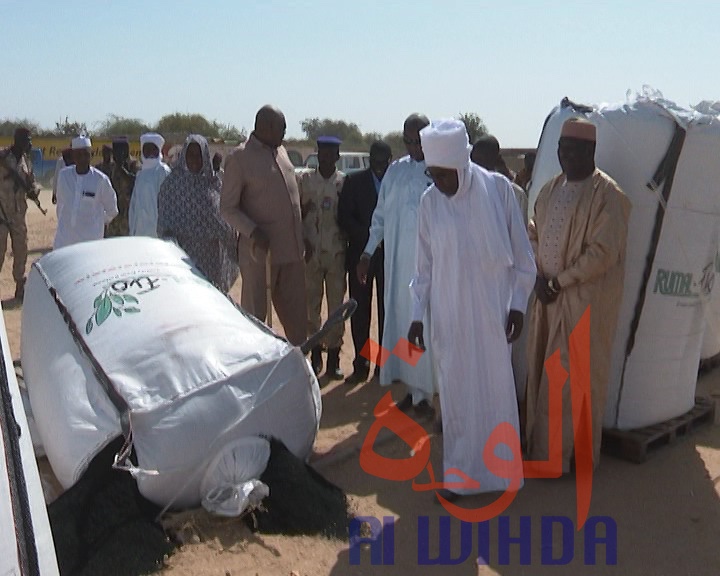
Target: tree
{"type": "Point", "coordinates": [8, 126]}
{"type": "Point", "coordinates": [396, 143]}
{"type": "Point", "coordinates": [119, 126]}
{"type": "Point", "coordinates": [474, 125]}
{"type": "Point", "coordinates": [369, 138]}
{"type": "Point", "coordinates": [70, 129]}
{"type": "Point", "coordinates": [230, 133]}
{"type": "Point", "coordinates": [187, 124]}
{"type": "Point", "coordinates": [314, 127]}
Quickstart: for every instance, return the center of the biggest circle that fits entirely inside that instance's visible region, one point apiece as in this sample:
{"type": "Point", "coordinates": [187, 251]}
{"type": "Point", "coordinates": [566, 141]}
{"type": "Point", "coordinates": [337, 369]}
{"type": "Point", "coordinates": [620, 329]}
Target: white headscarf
{"type": "Point", "coordinates": [445, 144]}
{"type": "Point", "coordinates": [151, 138]}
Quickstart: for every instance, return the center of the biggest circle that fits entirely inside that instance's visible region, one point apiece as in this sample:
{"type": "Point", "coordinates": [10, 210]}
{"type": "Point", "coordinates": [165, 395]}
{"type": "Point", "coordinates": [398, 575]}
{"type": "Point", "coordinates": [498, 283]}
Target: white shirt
{"type": "Point", "coordinates": [560, 208]}
{"type": "Point", "coordinates": [85, 203]}
{"type": "Point", "coordinates": [143, 212]}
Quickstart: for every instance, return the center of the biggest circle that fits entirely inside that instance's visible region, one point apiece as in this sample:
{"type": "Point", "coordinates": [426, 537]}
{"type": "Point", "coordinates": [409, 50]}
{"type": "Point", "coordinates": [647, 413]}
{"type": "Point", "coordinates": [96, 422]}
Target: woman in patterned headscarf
{"type": "Point", "coordinates": [189, 212]}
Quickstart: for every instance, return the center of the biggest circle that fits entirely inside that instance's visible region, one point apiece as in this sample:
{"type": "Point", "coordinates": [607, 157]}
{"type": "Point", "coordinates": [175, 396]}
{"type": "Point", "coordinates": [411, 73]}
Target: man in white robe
{"type": "Point", "coordinates": [86, 201]}
{"type": "Point", "coordinates": [475, 270]}
{"type": "Point", "coordinates": [143, 212]}
{"type": "Point", "coordinates": [394, 223]}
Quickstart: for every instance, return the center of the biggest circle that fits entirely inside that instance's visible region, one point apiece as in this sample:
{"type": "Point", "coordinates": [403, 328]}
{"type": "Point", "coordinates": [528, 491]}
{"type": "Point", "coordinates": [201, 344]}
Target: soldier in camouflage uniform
{"type": "Point", "coordinates": [122, 178]}
{"type": "Point", "coordinates": [16, 180]}
{"type": "Point", "coordinates": [325, 246]}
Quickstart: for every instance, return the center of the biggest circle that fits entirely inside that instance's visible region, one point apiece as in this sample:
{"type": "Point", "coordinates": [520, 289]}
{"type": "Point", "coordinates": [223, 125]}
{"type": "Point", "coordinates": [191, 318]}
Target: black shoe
{"type": "Point", "coordinates": [424, 409]}
{"type": "Point", "coordinates": [358, 377]}
{"type": "Point", "coordinates": [405, 404]}
{"type": "Point", "coordinates": [20, 290]}
{"type": "Point", "coordinates": [316, 360]}
{"type": "Point", "coordinates": [333, 370]}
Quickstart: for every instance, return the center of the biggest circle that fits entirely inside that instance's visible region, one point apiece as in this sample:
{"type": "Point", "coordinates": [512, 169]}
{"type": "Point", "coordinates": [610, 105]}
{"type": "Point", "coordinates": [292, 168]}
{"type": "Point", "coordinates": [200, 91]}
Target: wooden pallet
{"type": "Point", "coordinates": [636, 445]}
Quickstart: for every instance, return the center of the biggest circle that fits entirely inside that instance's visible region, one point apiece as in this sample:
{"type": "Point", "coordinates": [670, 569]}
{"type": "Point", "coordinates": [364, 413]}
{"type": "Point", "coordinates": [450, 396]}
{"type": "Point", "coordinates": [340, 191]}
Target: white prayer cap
{"type": "Point", "coordinates": [152, 138]}
{"type": "Point", "coordinates": [445, 144]}
{"type": "Point", "coordinates": [81, 142]}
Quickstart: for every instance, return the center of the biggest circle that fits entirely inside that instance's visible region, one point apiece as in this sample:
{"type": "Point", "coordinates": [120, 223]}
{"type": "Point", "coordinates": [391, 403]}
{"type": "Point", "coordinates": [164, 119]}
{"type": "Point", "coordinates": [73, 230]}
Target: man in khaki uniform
{"type": "Point", "coordinates": [16, 178]}
{"type": "Point", "coordinates": [325, 246]}
{"type": "Point", "coordinates": [260, 200]}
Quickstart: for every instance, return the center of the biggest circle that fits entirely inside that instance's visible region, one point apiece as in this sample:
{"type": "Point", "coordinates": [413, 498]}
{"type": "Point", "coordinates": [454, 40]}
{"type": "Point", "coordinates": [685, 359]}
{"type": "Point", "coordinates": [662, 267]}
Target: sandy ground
{"type": "Point", "coordinates": [666, 510]}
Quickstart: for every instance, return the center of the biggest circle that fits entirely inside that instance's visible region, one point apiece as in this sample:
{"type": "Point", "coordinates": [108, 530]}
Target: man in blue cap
{"type": "Point", "coordinates": [325, 245]}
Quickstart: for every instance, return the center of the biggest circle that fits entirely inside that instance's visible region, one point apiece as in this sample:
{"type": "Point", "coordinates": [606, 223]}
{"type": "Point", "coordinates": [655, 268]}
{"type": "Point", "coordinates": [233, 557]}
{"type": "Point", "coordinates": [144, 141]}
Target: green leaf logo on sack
{"type": "Point", "coordinates": [114, 300]}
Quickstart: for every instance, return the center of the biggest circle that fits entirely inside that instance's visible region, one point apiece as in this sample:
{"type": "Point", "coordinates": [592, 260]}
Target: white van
{"type": "Point", "coordinates": [348, 162]}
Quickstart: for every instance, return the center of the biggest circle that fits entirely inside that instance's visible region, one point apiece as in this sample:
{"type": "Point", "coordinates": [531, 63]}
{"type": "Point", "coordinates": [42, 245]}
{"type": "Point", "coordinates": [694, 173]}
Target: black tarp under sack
{"type": "Point", "coordinates": [301, 501]}
{"type": "Point", "coordinates": [103, 525]}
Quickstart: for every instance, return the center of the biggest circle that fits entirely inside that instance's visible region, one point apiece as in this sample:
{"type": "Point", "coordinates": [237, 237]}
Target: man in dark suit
{"type": "Point", "coordinates": [355, 209]}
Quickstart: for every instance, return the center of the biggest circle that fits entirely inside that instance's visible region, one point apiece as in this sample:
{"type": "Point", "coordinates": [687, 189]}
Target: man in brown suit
{"type": "Point", "coordinates": [260, 200]}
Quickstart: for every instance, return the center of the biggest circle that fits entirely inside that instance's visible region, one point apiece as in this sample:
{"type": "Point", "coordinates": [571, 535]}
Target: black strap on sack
{"type": "Point", "coordinates": [102, 377]}
{"type": "Point", "coordinates": [664, 176]}
{"type": "Point", "coordinates": [20, 501]}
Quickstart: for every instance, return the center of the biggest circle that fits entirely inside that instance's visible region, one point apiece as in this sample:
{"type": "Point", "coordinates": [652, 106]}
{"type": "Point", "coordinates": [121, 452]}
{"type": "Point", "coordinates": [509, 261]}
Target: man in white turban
{"type": "Point", "coordinates": [475, 270]}
{"type": "Point", "coordinates": [86, 201]}
{"type": "Point", "coordinates": [143, 212]}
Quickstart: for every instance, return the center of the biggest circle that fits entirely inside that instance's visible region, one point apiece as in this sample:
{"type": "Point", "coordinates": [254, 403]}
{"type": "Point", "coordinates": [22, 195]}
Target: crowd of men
{"type": "Point", "coordinates": [440, 235]}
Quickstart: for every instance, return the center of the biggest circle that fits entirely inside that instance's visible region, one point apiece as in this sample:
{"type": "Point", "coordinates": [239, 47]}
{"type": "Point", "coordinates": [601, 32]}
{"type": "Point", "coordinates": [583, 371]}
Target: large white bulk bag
{"type": "Point", "coordinates": [195, 372]}
{"type": "Point", "coordinates": [711, 338]}
{"type": "Point", "coordinates": [669, 272]}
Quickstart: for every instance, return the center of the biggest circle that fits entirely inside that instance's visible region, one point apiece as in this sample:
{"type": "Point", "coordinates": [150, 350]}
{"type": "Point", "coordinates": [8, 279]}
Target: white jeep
{"type": "Point", "coordinates": [348, 162]}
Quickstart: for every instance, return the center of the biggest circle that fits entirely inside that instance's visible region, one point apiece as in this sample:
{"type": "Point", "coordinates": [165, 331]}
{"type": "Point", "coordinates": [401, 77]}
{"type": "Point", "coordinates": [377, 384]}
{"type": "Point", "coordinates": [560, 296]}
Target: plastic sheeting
{"type": "Point", "coordinates": [669, 276]}
{"type": "Point", "coordinates": [194, 371]}
{"type": "Point", "coordinates": [26, 542]}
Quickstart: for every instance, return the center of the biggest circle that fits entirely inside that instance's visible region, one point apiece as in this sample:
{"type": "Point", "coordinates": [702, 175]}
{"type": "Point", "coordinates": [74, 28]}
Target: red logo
{"type": "Point", "coordinates": [387, 415]}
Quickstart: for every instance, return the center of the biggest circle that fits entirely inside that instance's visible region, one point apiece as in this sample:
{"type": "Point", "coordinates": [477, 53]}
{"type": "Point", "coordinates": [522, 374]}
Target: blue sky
{"type": "Point", "coordinates": [370, 62]}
